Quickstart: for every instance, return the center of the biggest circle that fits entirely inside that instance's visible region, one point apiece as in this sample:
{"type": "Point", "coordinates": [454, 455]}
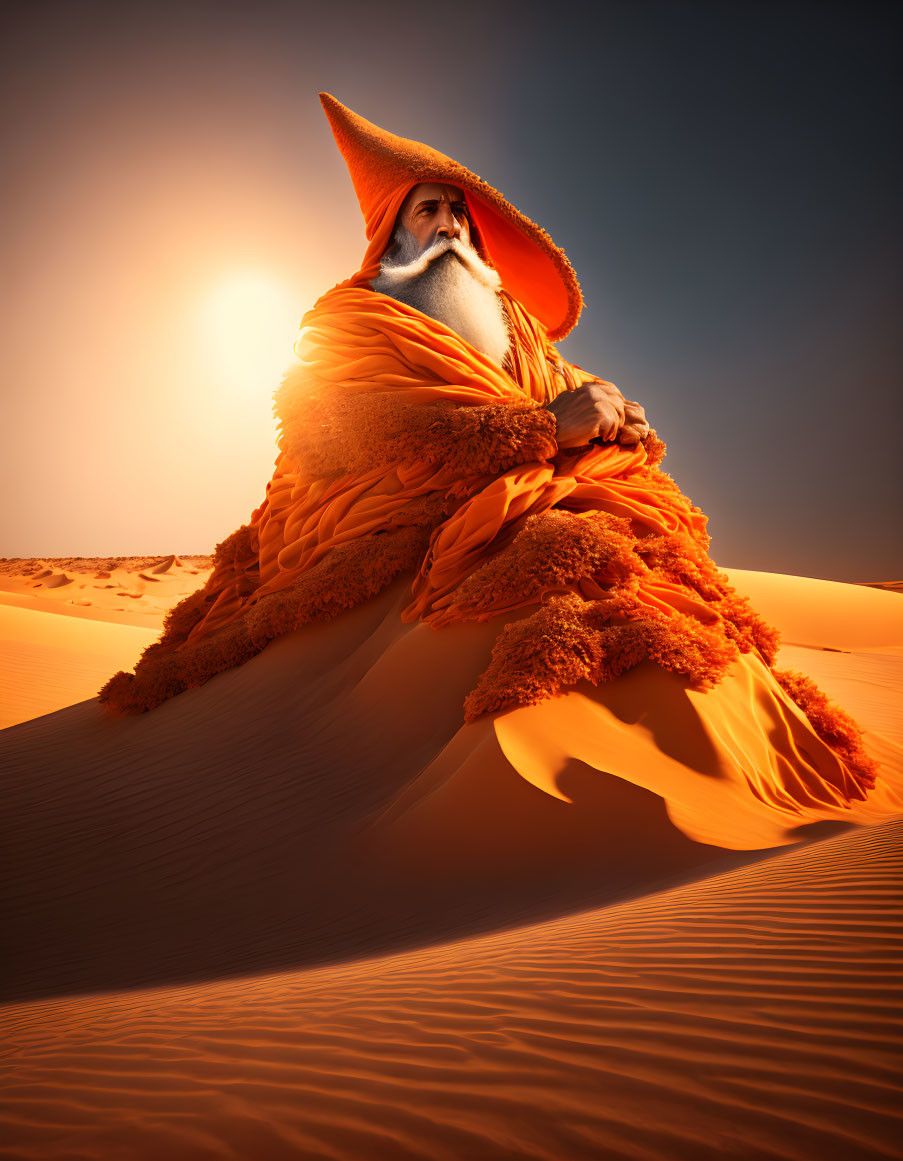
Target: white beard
{"type": "Point", "coordinates": [451, 284]}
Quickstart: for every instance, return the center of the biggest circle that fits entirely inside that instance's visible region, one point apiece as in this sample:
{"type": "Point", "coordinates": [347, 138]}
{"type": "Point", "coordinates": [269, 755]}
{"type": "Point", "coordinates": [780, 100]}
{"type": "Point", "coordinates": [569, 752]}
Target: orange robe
{"type": "Point", "coordinates": [404, 450]}
{"type": "Point", "coordinates": [423, 483]}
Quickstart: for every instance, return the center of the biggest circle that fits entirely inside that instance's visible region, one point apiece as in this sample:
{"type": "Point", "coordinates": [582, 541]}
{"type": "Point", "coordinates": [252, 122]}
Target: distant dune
{"type": "Point", "coordinates": [49, 662]}
{"type": "Point", "coordinates": [889, 586]}
{"type": "Point", "coordinates": [301, 912]}
{"type": "Point", "coordinates": [131, 590]}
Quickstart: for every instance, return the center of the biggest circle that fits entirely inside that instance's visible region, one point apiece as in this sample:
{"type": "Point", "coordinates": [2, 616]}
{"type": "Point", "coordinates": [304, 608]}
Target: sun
{"type": "Point", "coordinates": [249, 322]}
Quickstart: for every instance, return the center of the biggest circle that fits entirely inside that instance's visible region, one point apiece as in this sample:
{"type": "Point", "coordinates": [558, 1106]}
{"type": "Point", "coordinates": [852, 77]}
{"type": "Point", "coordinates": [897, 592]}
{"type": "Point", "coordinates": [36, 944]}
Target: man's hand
{"type": "Point", "coordinates": [585, 413]}
{"type": "Point", "coordinates": [635, 427]}
{"type": "Point", "coordinates": [596, 410]}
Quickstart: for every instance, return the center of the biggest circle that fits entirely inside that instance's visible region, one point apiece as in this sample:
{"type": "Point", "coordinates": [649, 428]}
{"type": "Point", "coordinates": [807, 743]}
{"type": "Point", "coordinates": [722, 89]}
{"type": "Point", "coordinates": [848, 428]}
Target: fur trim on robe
{"type": "Point", "coordinates": [460, 482]}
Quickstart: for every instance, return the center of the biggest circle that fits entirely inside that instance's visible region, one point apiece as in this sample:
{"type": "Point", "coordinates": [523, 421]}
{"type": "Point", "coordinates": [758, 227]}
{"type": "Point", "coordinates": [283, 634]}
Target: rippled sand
{"type": "Point", "coordinates": [755, 1014]}
{"type": "Point", "coordinates": [239, 928]}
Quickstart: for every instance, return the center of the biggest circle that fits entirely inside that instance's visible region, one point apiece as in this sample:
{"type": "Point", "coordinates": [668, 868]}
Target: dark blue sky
{"type": "Point", "coordinates": [725, 178]}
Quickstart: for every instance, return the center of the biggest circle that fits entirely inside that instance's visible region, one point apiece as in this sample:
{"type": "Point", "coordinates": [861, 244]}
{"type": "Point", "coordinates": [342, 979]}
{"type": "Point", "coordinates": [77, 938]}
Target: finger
{"type": "Point", "coordinates": [604, 423]}
{"type": "Point", "coordinates": [604, 430]}
{"type": "Point", "coordinates": [629, 436]}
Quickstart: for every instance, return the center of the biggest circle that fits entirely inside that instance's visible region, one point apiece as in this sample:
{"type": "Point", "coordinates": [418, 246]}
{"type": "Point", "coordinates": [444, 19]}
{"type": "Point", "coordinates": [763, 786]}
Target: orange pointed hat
{"type": "Point", "coordinates": [384, 168]}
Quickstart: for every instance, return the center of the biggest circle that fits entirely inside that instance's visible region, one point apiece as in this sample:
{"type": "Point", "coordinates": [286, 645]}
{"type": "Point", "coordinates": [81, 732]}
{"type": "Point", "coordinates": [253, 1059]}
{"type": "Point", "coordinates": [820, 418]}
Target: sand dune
{"type": "Point", "coordinates": [752, 1015]}
{"type": "Point", "coordinates": [56, 580]}
{"type": "Point", "coordinates": [245, 829]}
{"type": "Point", "coordinates": [134, 590]}
{"type": "Point", "coordinates": [47, 662]}
{"type": "Point", "coordinates": [888, 586]}
{"type": "Point", "coordinates": [824, 614]}
{"type": "Point", "coordinates": [112, 610]}
{"type": "Point", "coordinates": [139, 591]}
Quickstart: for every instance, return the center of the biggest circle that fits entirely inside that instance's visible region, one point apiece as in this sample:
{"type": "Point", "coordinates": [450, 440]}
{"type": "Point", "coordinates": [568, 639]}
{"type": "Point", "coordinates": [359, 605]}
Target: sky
{"type": "Point", "coordinates": [725, 178]}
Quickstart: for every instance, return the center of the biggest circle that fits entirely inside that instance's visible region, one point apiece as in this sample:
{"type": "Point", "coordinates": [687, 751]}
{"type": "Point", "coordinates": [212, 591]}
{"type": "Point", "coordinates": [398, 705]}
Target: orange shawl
{"type": "Point", "coordinates": [403, 448]}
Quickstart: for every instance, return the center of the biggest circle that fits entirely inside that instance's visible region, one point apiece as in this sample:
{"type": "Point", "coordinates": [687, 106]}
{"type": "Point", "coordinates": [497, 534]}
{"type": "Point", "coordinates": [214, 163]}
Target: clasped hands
{"type": "Point", "coordinates": [597, 410]}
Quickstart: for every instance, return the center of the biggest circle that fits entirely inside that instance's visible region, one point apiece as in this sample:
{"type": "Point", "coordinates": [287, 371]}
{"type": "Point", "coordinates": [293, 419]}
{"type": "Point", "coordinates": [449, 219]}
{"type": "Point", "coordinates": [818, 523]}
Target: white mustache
{"type": "Point", "coordinates": [395, 275]}
{"type": "Point", "coordinates": [460, 291]}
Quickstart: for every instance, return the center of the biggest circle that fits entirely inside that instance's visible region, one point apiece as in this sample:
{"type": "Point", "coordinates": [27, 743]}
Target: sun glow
{"type": "Point", "coordinates": [249, 322]}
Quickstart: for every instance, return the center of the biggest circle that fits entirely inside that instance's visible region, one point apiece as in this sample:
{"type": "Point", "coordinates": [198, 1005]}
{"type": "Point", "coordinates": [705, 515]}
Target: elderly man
{"type": "Point", "coordinates": [434, 265]}
{"type": "Point", "coordinates": [431, 431]}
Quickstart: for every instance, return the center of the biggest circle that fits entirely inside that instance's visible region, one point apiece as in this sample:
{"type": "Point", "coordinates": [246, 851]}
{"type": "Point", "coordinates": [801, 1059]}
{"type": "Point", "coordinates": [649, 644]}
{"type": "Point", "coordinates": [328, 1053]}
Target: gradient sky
{"type": "Point", "coordinates": [725, 178]}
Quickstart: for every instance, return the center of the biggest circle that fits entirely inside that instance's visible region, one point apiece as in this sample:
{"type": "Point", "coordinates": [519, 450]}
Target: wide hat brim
{"type": "Point", "coordinates": [385, 167]}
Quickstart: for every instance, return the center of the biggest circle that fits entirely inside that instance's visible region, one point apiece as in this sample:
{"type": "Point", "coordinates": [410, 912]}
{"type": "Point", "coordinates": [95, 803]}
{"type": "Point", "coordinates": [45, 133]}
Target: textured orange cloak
{"type": "Point", "coordinates": [402, 448]}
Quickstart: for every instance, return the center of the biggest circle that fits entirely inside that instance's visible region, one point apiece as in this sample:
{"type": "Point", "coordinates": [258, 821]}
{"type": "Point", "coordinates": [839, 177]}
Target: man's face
{"type": "Point", "coordinates": [431, 211]}
{"type": "Point", "coordinates": [433, 266]}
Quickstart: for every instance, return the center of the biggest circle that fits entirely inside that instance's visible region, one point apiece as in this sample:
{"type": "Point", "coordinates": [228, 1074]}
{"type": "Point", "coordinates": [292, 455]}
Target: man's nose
{"type": "Point", "coordinates": [448, 225]}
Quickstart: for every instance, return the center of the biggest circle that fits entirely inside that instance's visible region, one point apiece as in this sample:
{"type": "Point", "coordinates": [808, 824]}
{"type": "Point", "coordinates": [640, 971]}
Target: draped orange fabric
{"type": "Point", "coordinates": [366, 342]}
{"type": "Point", "coordinates": [403, 449]}
{"type": "Point", "coordinates": [619, 569]}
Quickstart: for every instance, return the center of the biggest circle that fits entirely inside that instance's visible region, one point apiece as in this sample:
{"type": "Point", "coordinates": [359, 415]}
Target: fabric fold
{"type": "Point", "coordinates": [421, 456]}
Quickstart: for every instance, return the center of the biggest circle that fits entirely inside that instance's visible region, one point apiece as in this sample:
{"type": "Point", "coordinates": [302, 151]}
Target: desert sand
{"type": "Point", "coordinates": [50, 661]}
{"type": "Point", "coordinates": [236, 928]}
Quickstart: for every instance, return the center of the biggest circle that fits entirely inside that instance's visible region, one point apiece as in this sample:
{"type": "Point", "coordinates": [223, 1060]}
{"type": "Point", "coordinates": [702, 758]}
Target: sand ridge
{"type": "Point", "coordinates": [752, 1015]}
{"type": "Point", "coordinates": [67, 624]}
{"type": "Point", "coordinates": [237, 928]}
{"type": "Point", "coordinates": [63, 668]}
{"type": "Point", "coordinates": [136, 590]}
{"type": "Point", "coordinates": [255, 779]}
{"type": "Point", "coordinates": [48, 662]}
